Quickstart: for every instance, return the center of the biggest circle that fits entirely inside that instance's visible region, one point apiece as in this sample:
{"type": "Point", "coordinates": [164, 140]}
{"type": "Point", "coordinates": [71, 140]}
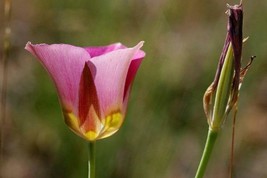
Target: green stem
{"type": "Point", "coordinates": [212, 136]}
{"type": "Point", "coordinates": [91, 160]}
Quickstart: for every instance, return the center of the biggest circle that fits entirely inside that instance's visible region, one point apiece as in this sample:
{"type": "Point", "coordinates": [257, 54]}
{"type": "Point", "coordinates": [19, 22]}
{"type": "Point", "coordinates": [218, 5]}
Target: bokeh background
{"type": "Point", "coordinates": [165, 129]}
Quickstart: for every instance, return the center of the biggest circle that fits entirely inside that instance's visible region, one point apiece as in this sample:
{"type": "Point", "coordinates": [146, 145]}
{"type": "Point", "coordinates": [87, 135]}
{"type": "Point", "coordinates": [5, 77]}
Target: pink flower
{"type": "Point", "coordinates": [93, 84]}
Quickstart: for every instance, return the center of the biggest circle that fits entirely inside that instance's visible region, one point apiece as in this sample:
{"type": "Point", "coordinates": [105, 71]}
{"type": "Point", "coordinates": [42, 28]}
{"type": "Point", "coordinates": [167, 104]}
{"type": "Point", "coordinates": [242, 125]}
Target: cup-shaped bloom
{"type": "Point", "coordinates": [93, 84]}
{"type": "Point", "coordinates": [223, 93]}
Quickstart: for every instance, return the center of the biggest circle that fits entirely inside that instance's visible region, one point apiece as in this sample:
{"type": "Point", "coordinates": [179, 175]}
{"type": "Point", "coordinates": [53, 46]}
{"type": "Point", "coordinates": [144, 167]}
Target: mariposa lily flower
{"type": "Point", "coordinates": [93, 84]}
{"type": "Point", "coordinates": [223, 93]}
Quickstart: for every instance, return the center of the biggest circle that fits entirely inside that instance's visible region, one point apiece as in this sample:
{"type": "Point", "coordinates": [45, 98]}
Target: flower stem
{"type": "Point", "coordinates": [211, 138]}
{"type": "Point", "coordinates": [91, 160]}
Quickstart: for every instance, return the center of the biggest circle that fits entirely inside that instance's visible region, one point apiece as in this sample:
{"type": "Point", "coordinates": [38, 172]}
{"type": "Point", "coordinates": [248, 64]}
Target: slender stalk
{"type": "Point", "coordinates": [91, 160]}
{"type": "Point", "coordinates": [6, 49]}
{"type": "Point", "coordinates": [211, 138]}
{"type": "Point", "coordinates": [231, 166]}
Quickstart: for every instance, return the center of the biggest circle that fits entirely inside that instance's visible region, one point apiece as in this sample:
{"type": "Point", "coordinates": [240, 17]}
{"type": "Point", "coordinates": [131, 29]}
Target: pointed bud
{"type": "Point", "coordinates": [223, 93]}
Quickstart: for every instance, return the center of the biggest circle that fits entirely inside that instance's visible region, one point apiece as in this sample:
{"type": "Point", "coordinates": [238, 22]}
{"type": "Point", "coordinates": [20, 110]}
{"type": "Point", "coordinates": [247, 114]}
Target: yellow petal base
{"type": "Point", "coordinates": [105, 128]}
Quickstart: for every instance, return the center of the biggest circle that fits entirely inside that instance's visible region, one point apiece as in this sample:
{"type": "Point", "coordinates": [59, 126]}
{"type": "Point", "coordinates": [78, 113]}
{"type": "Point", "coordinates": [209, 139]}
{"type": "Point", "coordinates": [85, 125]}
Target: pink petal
{"type": "Point", "coordinates": [135, 63]}
{"type": "Point", "coordinates": [110, 77]}
{"type": "Point", "coordinates": [65, 64]}
{"type": "Point", "coordinates": [100, 50]}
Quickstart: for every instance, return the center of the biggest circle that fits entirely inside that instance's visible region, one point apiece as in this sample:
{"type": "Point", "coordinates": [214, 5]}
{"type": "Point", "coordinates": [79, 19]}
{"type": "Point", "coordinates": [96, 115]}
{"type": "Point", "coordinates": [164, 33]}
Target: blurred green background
{"type": "Point", "coordinates": [165, 129]}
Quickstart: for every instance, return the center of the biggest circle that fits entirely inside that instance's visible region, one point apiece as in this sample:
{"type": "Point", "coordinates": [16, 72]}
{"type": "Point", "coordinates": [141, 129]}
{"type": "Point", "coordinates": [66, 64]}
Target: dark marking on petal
{"type": "Point", "coordinates": [87, 95]}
